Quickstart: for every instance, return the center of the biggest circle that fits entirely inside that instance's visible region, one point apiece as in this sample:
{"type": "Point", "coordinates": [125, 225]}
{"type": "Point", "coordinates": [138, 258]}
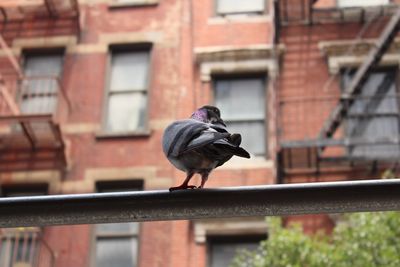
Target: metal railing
{"type": "Point", "coordinates": [301, 118]}
{"type": "Point", "coordinates": [268, 200]}
{"type": "Point", "coordinates": [36, 95]}
{"type": "Point", "coordinates": [24, 247]}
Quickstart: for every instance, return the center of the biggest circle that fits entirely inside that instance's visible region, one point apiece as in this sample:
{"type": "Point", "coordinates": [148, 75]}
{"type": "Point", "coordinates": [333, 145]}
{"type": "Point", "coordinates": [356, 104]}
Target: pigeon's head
{"type": "Point", "coordinates": [208, 114]}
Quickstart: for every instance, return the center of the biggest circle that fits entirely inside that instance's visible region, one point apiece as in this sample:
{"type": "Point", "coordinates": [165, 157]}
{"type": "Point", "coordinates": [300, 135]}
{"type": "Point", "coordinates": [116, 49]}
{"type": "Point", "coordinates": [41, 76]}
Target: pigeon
{"type": "Point", "coordinates": [200, 144]}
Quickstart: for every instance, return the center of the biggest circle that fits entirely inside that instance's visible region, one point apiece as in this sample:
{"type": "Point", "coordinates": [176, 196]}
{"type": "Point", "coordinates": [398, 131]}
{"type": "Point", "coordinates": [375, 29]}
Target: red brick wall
{"type": "Point", "coordinates": [176, 90]}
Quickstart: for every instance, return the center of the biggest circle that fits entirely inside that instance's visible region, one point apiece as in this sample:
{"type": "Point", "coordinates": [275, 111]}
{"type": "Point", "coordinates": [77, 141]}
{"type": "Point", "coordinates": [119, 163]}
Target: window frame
{"type": "Point", "coordinates": [109, 186]}
{"type": "Point", "coordinates": [116, 48]}
{"type": "Point", "coordinates": [396, 81]}
{"type": "Point", "coordinates": [263, 76]}
{"type": "Point", "coordinates": [240, 13]}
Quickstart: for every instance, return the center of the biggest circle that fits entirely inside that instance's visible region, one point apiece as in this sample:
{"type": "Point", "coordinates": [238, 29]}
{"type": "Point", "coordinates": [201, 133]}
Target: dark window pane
{"type": "Point", "coordinates": [223, 252]}
{"type": "Point", "coordinates": [16, 190]}
{"type": "Point", "coordinates": [115, 228]}
{"type": "Point", "coordinates": [121, 252]}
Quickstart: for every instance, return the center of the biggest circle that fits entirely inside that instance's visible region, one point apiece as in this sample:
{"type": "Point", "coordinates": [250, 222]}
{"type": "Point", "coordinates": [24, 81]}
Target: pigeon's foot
{"type": "Point", "coordinates": [182, 187]}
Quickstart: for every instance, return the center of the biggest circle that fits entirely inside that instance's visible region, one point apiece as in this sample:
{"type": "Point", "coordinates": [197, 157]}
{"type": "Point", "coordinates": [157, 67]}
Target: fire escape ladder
{"type": "Point", "coordinates": [348, 97]}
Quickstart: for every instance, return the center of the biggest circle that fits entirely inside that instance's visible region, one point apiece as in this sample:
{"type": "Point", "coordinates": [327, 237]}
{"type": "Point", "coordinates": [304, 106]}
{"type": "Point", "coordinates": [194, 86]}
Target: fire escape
{"type": "Point", "coordinates": [331, 147]}
{"type": "Point", "coordinates": [32, 106]}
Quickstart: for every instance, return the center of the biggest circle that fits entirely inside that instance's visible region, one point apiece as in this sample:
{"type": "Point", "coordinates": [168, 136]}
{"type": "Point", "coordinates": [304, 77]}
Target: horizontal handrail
{"type": "Point", "coordinates": [268, 200]}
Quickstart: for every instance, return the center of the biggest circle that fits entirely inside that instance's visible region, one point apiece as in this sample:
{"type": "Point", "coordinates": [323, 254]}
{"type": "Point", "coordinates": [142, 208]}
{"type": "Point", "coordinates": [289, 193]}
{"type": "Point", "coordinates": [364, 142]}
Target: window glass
{"type": "Point", "coordinates": [127, 112]}
{"type": "Point", "coordinates": [20, 246]}
{"type": "Point", "coordinates": [355, 3]}
{"type": "Point", "coordinates": [39, 89]}
{"type": "Point", "coordinates": [127, 93]}
{"type": "Point", "coordinates": [240, 7]}
{"type": "Point", "coordinates": [241, 98]}
{"type": "Point", "coordinates": [242, 103]}
{"type": "Point", "coordinates": [374, 116]}
{"type": "Point", "coordinates": [252, 135]}
{"type": "Point", "coordinates": [118, 251]}
{"type": "Point", "coordinates": [112, 228]}
{"type": "Point", "coordinates": [222, 250]}
{"type": "Point", "coordinates": [117, 243]}
{"type": "Point", "coordinates": [129, 71]}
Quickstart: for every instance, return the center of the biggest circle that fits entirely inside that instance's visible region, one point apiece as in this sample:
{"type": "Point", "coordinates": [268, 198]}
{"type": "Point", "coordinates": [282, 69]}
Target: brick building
{"type": "Point", "coordinates": [87, 87]}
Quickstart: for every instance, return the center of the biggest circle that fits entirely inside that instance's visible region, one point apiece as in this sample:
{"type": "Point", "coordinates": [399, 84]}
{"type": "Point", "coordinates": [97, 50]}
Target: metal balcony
{"type": "Point", "coordinates": [368, 134]}
{"type": "Point", "coordinates": [31, 109]}
{"type": "Point", "coordinates": [35, 18]}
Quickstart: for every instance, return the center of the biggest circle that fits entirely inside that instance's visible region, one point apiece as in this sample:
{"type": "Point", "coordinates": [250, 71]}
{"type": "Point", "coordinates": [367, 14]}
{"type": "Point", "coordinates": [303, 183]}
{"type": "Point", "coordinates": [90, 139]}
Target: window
{"type": "Point", "coordinates": [373, 119]}
{"type": "Point", "coordinates": [236, 7]}
{"type": "Point", "coordinates": [20, 246]}
{"type": "Point", "coordinates": [23, 190]}
{"type": "Point", "coordinates": [354, 3]}
{"type": "Point", "coordinates": [39, 89]}
{"type": "Point", "coordinates": [222, 249]}
{"type": "Point", "coordinates": [242, 104]}
{"type": "Point", "coordinates": [117, 243]}
{"type": "Point", "coordinates": [127, 93]}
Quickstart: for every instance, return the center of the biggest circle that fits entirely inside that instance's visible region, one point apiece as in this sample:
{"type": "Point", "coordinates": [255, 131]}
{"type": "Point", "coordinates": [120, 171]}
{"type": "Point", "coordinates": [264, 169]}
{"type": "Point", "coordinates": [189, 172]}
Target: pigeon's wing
{"type": "Point", "coordinates": [206, 137]}
{"type": "Point", "coordinates": [185, 135]}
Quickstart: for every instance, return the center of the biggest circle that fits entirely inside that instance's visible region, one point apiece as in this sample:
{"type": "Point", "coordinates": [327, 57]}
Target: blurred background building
{"type": "Point", "coordinates": [87, 87]}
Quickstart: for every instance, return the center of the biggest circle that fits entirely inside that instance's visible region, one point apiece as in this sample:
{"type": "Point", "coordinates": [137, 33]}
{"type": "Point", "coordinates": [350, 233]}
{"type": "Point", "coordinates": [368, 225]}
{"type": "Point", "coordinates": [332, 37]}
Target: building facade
{"type": "Point", "coordinates": [88, 86]}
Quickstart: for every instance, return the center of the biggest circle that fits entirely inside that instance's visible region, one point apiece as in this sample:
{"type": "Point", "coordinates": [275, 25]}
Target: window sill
{"type": "Point", "coordinates": [121, 135]}
{"type": "Point", "coordinates": [133, 3]}
{"type": "Point", "coordinates": [239, 19]}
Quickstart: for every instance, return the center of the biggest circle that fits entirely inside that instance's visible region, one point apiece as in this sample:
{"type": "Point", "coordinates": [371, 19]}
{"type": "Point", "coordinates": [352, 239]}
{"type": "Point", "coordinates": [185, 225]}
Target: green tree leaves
{"type": "Point", "coordinates": [361, 239]}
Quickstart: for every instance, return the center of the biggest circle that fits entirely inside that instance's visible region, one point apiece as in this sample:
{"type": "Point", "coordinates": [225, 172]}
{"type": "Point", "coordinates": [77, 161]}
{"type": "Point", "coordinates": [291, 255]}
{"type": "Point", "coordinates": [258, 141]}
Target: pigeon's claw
{"type": "Point", "coordinates": [182, 187]}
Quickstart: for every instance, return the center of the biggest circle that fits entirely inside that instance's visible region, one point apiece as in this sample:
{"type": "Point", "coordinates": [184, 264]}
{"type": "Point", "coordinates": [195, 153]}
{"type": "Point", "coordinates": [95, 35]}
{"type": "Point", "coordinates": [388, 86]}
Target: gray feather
{"type": "Point", "coordinates": [179, 134]}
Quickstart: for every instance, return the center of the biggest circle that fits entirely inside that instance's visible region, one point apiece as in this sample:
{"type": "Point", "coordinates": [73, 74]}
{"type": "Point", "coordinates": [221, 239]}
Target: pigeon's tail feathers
{"type": "Point", "coordinates": [205, 138]}
{"type": "Point", "coordinates": [233, 150]}
{"type": "Point", "coordinates": [235, 139]}
{"type": "Point", "coordinates": [241, 152]}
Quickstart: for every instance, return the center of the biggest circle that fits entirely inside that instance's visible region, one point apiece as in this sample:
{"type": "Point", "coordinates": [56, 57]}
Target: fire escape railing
{"type": "Point", "coordinates": [25, 247]}
{"type": "Point", "coordinates": [31, 110]}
